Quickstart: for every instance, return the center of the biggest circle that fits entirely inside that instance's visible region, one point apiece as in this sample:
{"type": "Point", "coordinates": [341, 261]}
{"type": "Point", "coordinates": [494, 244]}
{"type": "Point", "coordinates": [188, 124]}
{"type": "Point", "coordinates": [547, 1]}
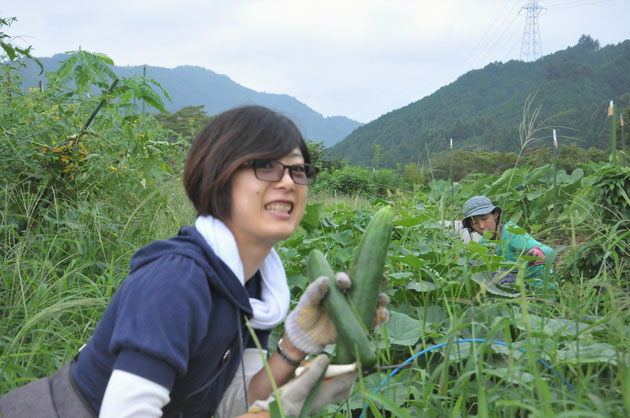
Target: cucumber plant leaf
{"type": "Point", "coordinates": [422, 286]}
{"type": "Point", "coordinates": [403, 329]}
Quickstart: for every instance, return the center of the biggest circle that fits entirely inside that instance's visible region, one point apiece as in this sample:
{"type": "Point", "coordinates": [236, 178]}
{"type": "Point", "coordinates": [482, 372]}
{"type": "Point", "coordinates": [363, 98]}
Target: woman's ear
{"type": "Point", "coordinates": [496, 215]}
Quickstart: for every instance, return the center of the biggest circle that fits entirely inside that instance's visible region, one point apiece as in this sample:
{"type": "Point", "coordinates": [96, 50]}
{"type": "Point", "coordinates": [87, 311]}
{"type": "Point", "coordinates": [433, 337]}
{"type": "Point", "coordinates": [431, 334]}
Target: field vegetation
{"type": "Point", "coordinates": [79, 198]}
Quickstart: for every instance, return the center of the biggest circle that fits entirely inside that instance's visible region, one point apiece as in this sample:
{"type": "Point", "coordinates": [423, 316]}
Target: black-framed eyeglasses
{"type": "Point", "coordinates": [270, 170]}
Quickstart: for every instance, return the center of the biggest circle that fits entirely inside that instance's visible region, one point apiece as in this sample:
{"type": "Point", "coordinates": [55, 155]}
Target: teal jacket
{"type": "Point", "coordinates": [513, 246]}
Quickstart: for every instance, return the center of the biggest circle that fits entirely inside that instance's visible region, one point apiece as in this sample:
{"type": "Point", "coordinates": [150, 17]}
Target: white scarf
{"type": "Point", "coordinates": [271, 310]}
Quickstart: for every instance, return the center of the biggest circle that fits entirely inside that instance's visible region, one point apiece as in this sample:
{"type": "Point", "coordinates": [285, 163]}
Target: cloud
{"type": "Point", "coordinates": [358, 58]}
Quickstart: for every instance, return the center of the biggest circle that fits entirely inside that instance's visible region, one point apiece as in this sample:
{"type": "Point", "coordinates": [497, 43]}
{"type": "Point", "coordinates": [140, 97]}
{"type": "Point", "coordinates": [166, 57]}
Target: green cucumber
{"type": "Point", "coordinates": [349, 329]}
{"type": "Point", "coordinates": [366, 273]}
{"type": "Point", "coordinates": [367, 270]}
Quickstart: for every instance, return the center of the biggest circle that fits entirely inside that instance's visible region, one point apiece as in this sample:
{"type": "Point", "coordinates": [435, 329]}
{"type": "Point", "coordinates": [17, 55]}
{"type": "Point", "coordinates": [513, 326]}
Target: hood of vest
{"type": "Point", "coordinates": [189, 243]}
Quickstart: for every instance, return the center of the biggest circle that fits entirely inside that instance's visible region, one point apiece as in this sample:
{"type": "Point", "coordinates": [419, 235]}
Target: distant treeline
{"type": "Point", "coordinates": [466, 163]}
{"type": "Point", "coordinates": [460, 166]}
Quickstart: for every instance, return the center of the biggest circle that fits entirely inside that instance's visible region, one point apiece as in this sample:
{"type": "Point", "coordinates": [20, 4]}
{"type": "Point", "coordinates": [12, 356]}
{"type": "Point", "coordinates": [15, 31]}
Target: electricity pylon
{"type": "Point", "coordinates": [531, 48]}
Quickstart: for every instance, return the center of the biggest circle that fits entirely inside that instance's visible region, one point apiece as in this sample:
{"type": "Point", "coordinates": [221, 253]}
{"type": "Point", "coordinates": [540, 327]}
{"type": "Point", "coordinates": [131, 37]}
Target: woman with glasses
{"type": "Point", "coordinates": [173, 341]}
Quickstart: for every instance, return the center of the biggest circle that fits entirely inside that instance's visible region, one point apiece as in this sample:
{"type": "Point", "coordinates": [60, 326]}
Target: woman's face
{"type": "Point", "coordinates": [266, 212]}
{"type": "Point", "coordinates": [485, 223]}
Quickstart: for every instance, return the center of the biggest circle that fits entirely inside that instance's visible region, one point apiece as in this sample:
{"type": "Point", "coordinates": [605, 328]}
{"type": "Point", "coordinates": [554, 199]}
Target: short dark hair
{"type": "Point", "coordinates": [229, 140]}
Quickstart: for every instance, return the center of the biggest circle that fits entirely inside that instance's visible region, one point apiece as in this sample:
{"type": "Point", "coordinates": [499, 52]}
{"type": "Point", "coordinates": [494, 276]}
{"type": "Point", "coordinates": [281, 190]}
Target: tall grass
{"type": "Point", "coordinates": [357, 201]}
{"type": "Point", "coordinates": [60, 264]}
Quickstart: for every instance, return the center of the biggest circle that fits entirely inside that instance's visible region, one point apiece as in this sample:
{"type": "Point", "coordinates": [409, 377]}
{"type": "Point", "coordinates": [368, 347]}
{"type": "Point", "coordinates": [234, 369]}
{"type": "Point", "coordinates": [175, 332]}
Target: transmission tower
{"type": "Point", "coordinates": [531, 48]}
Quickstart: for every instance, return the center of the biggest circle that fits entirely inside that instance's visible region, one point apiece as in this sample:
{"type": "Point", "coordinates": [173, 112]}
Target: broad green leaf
{"type": "Point", "coordinates": [587, 182]}
{"type": "Point", "coordinates": [410, 221]}
{"type": "Point", "coordinates": [400, 275]}
{"type": "Point", "coordinates": [475, 247]}
{"type": "Point", "coordinates": [9, 50]}
{"type": "Point", "coordinates": [311, 218]}
{"type": "Point", "coordinates": [537, 174]}
{"type": "Point", "coordinates": [516, 230]}
{"type": "Point", "coordinates": [344, 238]}
{"type": "Point", "coordinates": [550, 326]}
{"type": "Point", "coordinates": [533, 195]}
{"type": "Point", "coordinates": [510, 179]}
{"type": "Point", "coordinates": [402, 329]}
{"type": "Point", "coordinates": [577, 174]}
{"type": "Point", "coordinates": [595, 352]}
{"type": "Point", "coordinates": [297, 281]}
{"type": "Point", "coordinates": [421, 286]}
{"type": "Point", "coordinates": [434, 315]}
{"type": "Point", "coordinates": [458, 352]}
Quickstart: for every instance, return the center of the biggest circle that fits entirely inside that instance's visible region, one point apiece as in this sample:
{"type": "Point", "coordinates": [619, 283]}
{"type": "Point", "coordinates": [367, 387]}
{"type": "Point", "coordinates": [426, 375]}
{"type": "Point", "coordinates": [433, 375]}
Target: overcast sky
{"type": "Point", "coordinates": [356, 58]}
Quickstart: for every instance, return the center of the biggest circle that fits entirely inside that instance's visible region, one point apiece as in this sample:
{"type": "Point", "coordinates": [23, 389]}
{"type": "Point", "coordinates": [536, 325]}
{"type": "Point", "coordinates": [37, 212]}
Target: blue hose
{"type": "Point", "coordinates": [468, 340]}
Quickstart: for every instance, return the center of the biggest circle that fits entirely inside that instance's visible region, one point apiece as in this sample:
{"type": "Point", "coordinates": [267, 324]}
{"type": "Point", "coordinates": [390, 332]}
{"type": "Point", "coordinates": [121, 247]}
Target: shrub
{"type": "Point", "coordinates": [46, 146]}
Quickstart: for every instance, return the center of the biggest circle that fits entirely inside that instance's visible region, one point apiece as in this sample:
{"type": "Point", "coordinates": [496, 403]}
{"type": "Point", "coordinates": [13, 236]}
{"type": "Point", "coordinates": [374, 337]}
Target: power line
{"type": "Point", "coordinates": [576, 3]}
{"type": "Point", "coordinates": [482, 40]}
{"type": "Point", "coordinates": [513, 41]}
{"type": "Point", "coordinates": [499, 43]}
{"type": "Point", "coordinates": [494, 33]}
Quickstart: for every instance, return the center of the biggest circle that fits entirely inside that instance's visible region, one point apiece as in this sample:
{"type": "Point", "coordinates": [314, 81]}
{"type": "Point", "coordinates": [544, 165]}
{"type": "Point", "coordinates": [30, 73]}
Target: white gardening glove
{"type": "Point", "coordinates": [308, 326]}
{"type": "Point", "coordinates": [294, 394]}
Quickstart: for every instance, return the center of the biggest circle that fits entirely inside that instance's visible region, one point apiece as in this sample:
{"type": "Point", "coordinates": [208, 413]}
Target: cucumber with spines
{"type": "Point", "coordinates": [367, 270]}
{"type": "Point", "coordinates": [366, 274]}
{"type": "Point", "coordinates": [350, 332]}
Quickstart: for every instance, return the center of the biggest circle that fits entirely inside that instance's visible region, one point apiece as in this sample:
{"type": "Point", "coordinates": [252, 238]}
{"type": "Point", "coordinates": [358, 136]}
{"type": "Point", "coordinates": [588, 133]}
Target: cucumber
{"type": "Point", "coordinates": [349, 329]}
{"type": "Point", "coordinates": [366, 273]}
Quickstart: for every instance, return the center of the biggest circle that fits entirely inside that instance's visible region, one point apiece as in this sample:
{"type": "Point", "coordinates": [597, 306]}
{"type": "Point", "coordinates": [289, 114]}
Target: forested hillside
{"type": "Point", "coordinates": [194, 86]}
{"type": "Point", "coordinates": [484, 108]}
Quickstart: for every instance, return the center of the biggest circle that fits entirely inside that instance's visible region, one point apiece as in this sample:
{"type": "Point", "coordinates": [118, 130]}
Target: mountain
{"type": "Point", "coordinates": [194, 86]}
{"type": "Point", "coordinates": [483, 108]}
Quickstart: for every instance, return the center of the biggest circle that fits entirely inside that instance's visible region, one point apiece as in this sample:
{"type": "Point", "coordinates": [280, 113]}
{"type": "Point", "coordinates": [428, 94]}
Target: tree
{"type": "Point", "coordinates": [321, 158]}
{"type": "Point", "coordinates": [86, 68]}
{"type": "Point", "coordinates": [570, 70]}
{"type": "Point", "coordinates": [187, 121]}
{"type": "Point", "coordinates": [553, 71]}
{"type": "Point", "coordinates": [588, 43]}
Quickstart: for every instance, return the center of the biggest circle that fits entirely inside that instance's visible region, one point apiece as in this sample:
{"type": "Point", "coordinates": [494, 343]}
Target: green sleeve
{"type": "Point", "coordinates": [525, 243]}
